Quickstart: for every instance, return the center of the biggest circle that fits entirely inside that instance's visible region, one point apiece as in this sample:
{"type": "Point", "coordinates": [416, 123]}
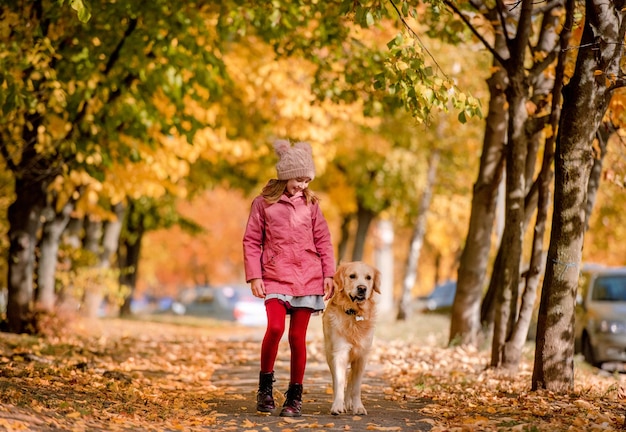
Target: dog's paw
{"type": "Point", "coordinates": [359, 410]}
{"type": "Point", "coordinates": [337, 409]}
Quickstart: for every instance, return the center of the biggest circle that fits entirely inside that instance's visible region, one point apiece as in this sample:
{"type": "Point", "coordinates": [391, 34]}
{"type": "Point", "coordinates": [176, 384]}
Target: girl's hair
{"type": "Point", "coordinates": [274, 188]}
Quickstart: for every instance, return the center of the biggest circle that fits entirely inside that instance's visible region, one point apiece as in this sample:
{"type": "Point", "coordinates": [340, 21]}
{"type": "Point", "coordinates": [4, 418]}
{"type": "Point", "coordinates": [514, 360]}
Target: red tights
{"type": "Point", "coordinates": [298, 324]}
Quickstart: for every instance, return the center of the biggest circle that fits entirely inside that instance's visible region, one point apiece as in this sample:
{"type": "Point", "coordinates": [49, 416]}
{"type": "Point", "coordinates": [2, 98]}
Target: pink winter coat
{"type": "Point", "coordinates": [288, 245]}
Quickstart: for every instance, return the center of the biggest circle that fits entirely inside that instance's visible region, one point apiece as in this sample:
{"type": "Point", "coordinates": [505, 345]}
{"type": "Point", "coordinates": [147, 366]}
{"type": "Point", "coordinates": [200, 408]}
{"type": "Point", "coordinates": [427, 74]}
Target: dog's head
{"type": "Point", "coordinates": [357, 281]}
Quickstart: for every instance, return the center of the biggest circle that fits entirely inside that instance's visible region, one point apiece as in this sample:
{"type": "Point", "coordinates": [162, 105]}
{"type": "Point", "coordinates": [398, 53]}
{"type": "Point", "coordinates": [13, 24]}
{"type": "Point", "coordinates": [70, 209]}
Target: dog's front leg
{"type": "Point", "coordinates": [355, 380]}
{"type": "Point", "coordinates": [338, 365]}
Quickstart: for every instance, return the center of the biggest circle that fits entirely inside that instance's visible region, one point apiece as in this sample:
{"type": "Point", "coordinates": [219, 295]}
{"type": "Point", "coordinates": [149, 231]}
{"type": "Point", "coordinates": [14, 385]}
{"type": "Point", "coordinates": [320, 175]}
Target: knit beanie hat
{"type": "Point", "coordinates": [295, 161]}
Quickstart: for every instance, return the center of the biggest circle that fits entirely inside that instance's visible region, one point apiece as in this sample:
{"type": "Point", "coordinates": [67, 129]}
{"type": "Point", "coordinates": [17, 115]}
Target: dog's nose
{"type": "Point", "coordinates": [362, 289]}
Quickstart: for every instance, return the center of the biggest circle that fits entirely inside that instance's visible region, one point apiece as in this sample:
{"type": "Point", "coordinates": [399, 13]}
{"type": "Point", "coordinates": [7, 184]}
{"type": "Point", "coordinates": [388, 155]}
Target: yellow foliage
{"type": "Point", "coordinates": [280, 88]}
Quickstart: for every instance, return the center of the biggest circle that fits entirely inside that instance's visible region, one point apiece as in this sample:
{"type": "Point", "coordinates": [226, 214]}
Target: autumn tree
{"type": "Point", "coordinates": [585, 100]}
{"type": "Point", "coordinates": [100, 99]}
{"type": "Point", "coordinates": [519, 88]}
{"type": "Point", "coordinates": [83, 96]}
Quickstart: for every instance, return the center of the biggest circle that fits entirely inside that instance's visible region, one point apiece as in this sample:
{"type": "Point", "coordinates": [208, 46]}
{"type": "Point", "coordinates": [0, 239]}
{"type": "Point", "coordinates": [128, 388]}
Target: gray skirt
{"type": "Point", "coordinates": [314, 302]}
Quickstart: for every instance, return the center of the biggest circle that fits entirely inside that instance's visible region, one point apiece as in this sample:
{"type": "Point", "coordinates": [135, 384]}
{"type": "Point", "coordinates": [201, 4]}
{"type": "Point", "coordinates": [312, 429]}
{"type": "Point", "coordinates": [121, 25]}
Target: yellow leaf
{"type": "Point", "coordinates": [248, 424]}
{"type": "Point", "coordinates": [291, 420]}
{"type": "Point", "coordinates": [580, 403]}
{"type": "Point", "coordinates": [597, 72]}
{"type": "Point", "coordinates": [477, 419]}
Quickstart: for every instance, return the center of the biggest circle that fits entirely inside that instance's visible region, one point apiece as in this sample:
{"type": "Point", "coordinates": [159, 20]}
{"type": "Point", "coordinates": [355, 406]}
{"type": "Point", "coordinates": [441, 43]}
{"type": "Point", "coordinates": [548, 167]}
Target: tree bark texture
{"type": "Point", "coordinates": [465, 319]}
{"type": "Point", "coordinates": [516, 155]}
{"type": "Point", "coordinates": [515, 342]}
{"type": "Point", "coordinates": [585, 100]}
{"type": "Point", "coordinates": [604, 133]}
{"type": "Point", "coordinates": [543, 85]}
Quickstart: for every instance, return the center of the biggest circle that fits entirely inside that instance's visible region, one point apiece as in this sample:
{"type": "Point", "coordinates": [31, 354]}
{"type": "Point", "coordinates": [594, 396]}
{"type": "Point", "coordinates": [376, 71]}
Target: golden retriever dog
{"type": "Point", "coordinates": [348, 324]}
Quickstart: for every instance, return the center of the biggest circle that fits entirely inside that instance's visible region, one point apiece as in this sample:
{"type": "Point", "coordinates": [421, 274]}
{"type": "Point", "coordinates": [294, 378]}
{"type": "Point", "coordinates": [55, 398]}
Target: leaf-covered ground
{"type": "Point", "coordinates": [115, 375]}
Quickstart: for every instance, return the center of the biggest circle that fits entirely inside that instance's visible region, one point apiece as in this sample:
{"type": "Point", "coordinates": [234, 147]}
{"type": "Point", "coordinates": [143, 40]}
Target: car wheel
{"type": "Point", "coordinates": [588, 352]}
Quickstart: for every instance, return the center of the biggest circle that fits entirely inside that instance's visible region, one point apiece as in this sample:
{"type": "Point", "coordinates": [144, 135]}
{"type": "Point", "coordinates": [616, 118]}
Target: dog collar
{"type": "Point", "coordinates": [353, 312]}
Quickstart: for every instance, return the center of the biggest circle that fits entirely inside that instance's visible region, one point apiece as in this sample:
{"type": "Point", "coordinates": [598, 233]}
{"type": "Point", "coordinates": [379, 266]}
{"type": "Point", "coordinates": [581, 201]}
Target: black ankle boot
{"type": "Point", "coordinates": [265, 395]}
{"type": "Point", "coordinates": [293, 404]}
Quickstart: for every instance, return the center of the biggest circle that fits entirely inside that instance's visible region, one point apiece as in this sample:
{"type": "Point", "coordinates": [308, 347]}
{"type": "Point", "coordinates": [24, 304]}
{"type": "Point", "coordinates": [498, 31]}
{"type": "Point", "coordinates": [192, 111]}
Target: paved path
{"type": "Point", "coordinates": [386, 410]}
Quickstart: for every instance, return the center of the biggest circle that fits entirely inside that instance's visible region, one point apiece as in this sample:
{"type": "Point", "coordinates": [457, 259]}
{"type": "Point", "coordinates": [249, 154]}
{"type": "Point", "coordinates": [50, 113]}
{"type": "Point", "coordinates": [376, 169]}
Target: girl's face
{"type": "Point", "coordinates": [297, 185]}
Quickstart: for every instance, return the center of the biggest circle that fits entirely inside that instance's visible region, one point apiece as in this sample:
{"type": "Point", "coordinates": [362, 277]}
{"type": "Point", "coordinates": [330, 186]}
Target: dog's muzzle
{"type": "Point", "coordinates": [361, 291]}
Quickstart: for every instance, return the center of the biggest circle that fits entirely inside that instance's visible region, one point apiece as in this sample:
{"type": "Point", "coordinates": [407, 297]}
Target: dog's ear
{"type": "Point", "coordinates": [339, 277]}
{"type": "Point", "coordinates": [338, 285]}
{"type": "Point", "coordinates": [377, 277]}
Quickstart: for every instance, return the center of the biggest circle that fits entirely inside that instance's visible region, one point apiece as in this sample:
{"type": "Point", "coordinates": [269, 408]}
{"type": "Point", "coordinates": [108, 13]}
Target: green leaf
{"type": "Point", "coordinates": [82, 10]}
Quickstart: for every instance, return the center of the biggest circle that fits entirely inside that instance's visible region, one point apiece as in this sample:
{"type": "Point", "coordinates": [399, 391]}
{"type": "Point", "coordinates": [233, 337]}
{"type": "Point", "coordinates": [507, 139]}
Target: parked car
{"type": "Point", "coordinates": [440, 298]}
{"type": "Point", "coordinates": [233, 302]}
{"type": "Point", "coordinates": [600, 330]}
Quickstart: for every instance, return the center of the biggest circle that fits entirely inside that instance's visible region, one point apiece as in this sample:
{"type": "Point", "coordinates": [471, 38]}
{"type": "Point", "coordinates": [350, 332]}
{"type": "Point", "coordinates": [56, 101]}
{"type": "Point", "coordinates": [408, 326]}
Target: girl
{"type": "Point", "coordinates": [289, 261]}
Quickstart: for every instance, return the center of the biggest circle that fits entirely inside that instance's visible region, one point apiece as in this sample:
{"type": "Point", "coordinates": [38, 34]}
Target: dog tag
{"type": "Point", "coordinates": [359, 318]}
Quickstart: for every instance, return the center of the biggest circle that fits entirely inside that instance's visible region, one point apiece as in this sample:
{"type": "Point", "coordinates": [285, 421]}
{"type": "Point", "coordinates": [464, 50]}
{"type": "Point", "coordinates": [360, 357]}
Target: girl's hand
{"type": "Point", "coordinates": [329, 288]}
{"type": "Point", "coordinates": [258, 288]}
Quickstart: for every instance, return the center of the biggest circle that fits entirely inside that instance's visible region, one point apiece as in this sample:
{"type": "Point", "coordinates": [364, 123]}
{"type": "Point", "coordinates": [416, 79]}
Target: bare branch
{"type": "Point", "coordinates": [539, 67]}
{"type": "Point", "coordinates": [115, 55]}
{"type": "Point", "coordinates": [500, 8]}
{"type": "Point", "coordinates": [486, 44]}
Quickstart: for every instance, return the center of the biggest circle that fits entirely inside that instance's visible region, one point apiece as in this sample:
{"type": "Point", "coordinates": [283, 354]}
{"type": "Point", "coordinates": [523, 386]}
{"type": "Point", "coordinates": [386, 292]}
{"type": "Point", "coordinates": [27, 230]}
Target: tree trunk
{"type": "Point", "coordinates": [585, 100]}
{"type": "Point", "coordinates": [66, 297]}
{"type": "Point", "coordinates": [603, 135]}
{"type": "Point", "coordinates": [383, 260]}
{"type": "Point", "coordinates": [516, 161]}
{"type": "Point", "coordinates": [93, 293]}
{"type": "Point", "coordinates": [93, 236]}
{"type": "Point", "coordinates": [128, 255]}
{"type": "Point", "coordinates": [538, 196]}
{"type": "Point", "coordinates": [465, 318]}
{"type": "Point", "coordinates": [24, 222]}
{"type": "Point", "coordinates": [417, 239]}
{"type": "Point", "coordinates": [111, 237]}
{"type": "Point", "coordinates": [508, 282]}
{"type": "Point", "coordinates": [364, 220]}
{"type": "Point", "coordinates": [49, 254]}
{"type": "Point", "coordinates": [487, 307]}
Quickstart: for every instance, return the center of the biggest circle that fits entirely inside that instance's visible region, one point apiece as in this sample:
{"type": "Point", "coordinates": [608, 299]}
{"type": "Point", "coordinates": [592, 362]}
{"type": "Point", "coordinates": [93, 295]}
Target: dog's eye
{"type": "Point", "coordinates": [368, 277]}
{"type": "Point", "coordinates": [352, 276]}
